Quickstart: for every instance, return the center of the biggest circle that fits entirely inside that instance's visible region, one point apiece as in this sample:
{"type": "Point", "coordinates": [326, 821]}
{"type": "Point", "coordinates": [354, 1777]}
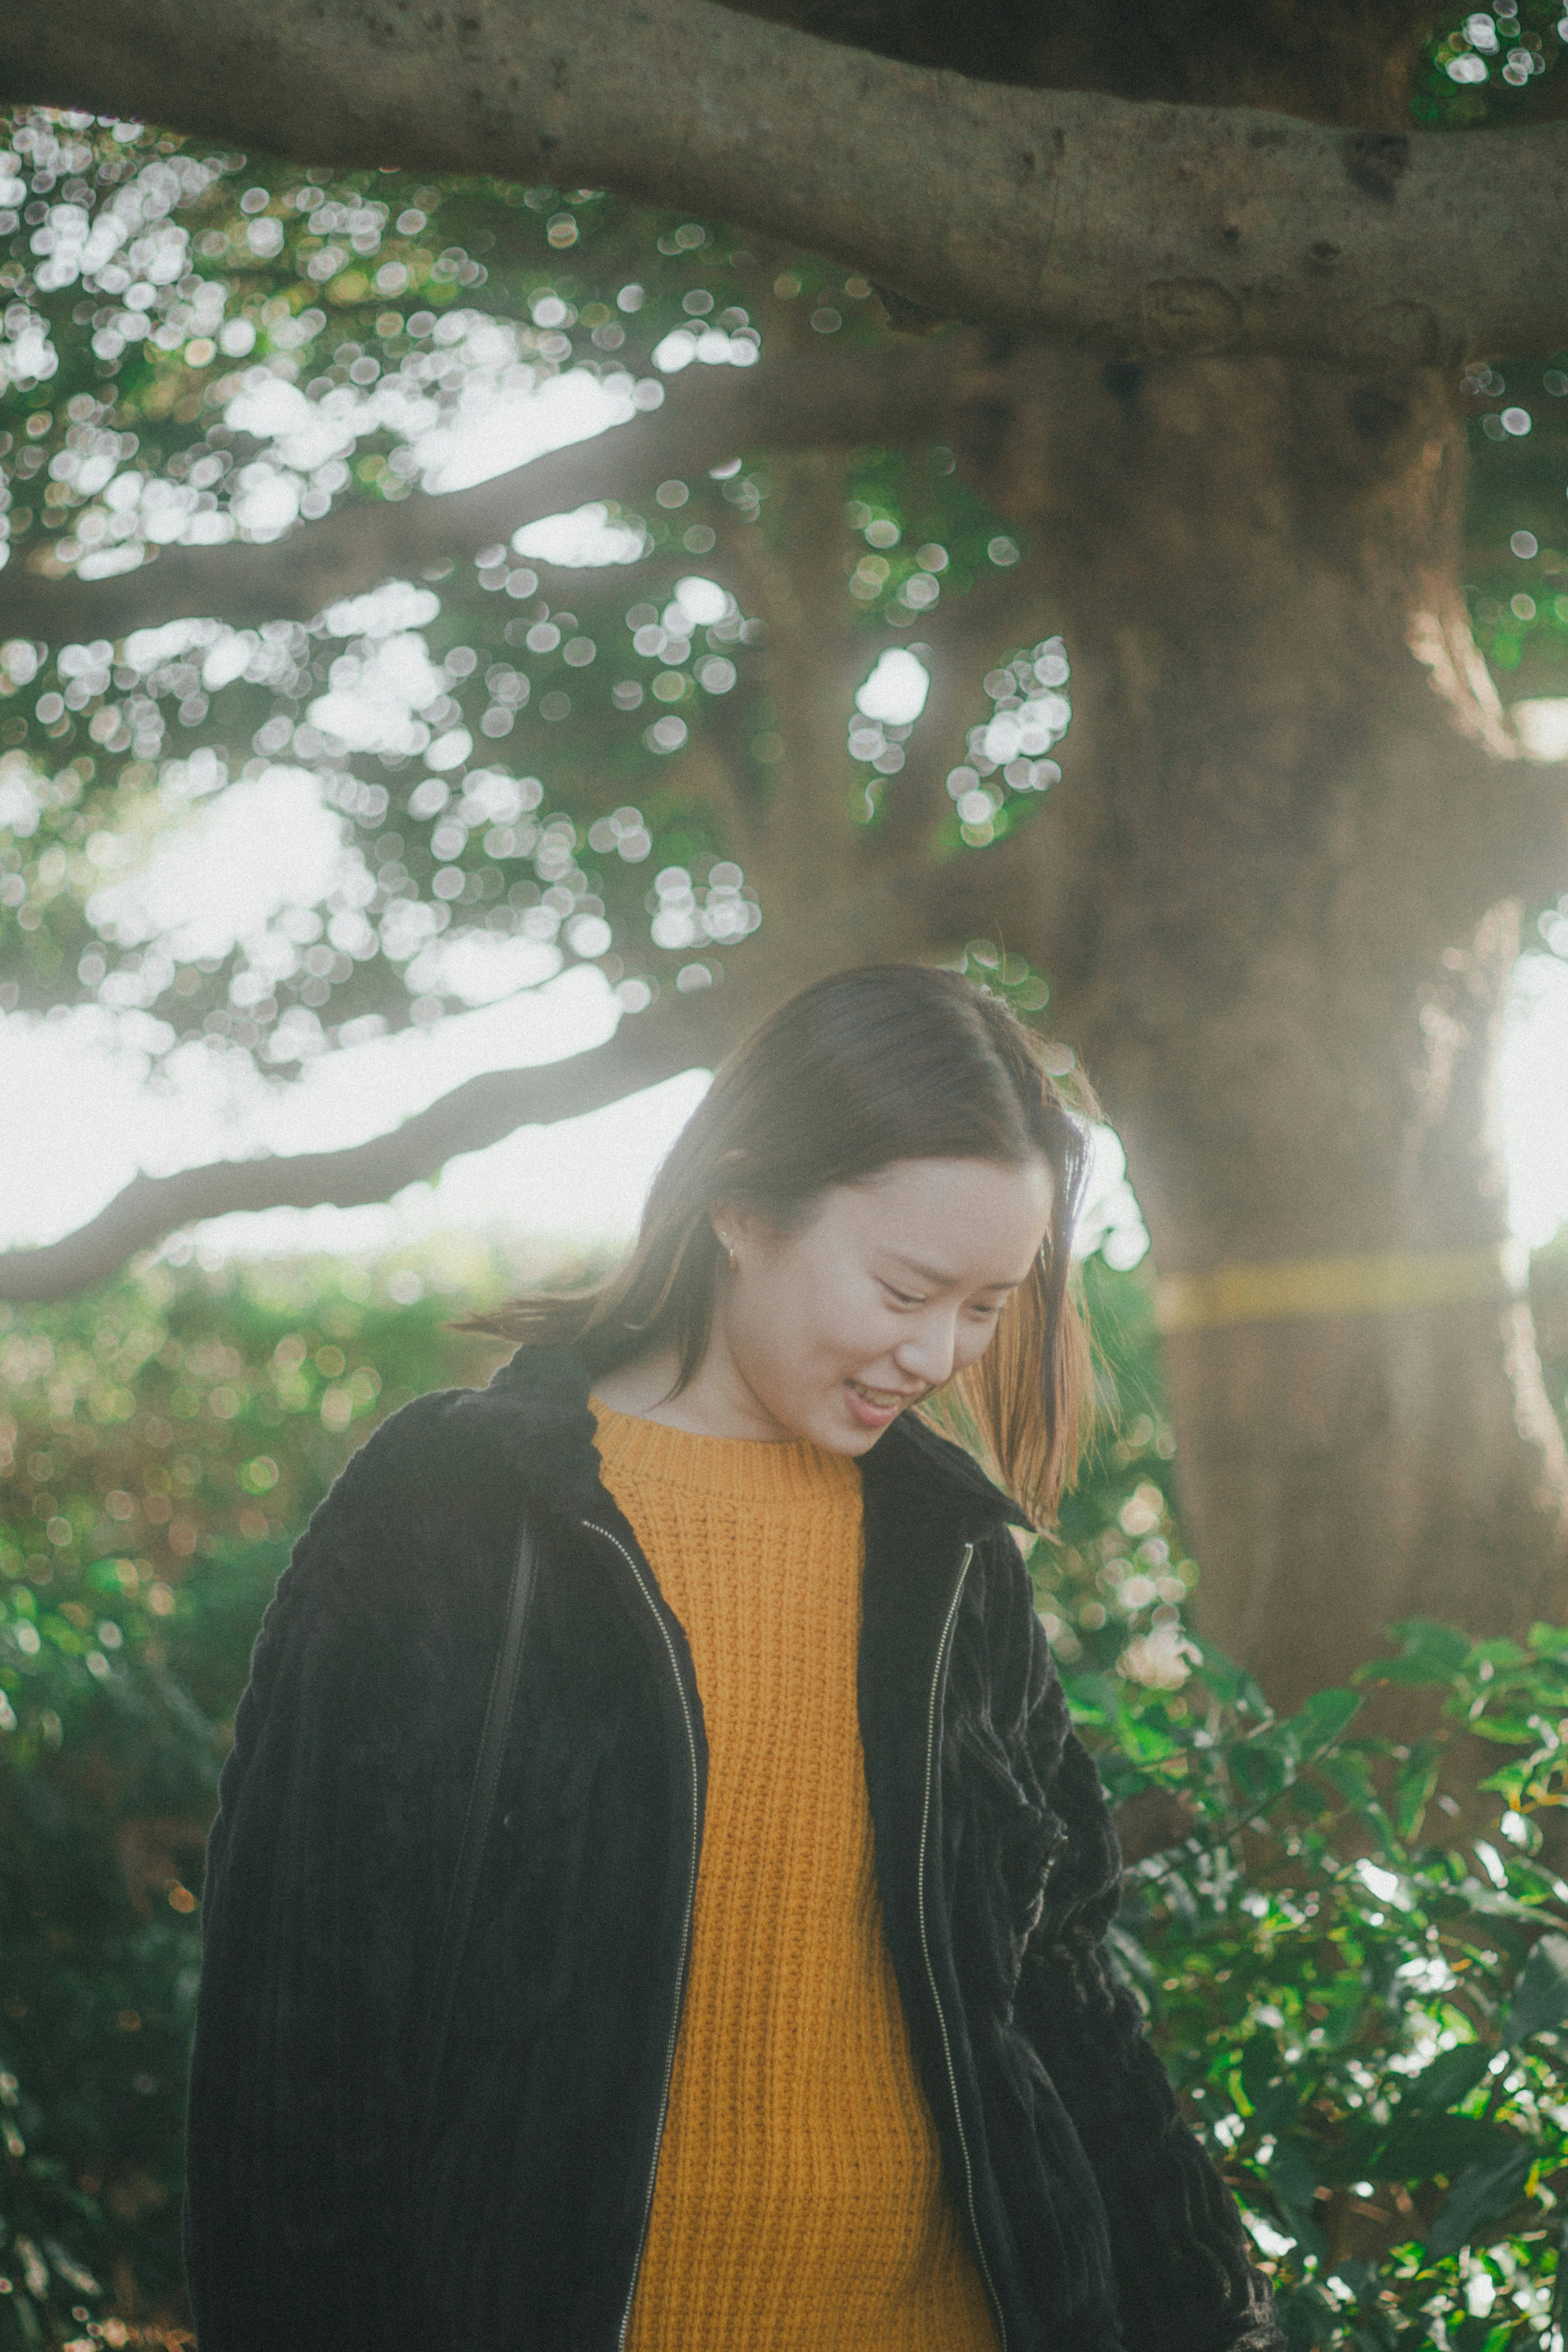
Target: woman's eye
{"type": "Point", "coordinates": [899, 1297]}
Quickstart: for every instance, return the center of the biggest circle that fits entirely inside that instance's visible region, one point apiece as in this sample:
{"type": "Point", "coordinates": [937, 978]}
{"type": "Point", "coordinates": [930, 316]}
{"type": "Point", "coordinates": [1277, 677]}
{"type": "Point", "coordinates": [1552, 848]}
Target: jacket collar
{"type": "Point", "coordinates": [542, 1393]}
{"type": "Point", "coordinates": [913, 1455]}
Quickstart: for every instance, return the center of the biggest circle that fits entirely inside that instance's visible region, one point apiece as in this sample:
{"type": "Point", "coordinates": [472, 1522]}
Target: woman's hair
{"type": "Point", "coordinates": [893, 1063]}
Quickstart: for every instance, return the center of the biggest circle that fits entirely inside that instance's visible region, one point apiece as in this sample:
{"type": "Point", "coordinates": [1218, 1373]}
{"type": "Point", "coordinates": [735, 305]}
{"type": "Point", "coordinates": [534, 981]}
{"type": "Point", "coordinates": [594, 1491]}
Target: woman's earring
{"type": "Point", "coordinates": [728, 1248]}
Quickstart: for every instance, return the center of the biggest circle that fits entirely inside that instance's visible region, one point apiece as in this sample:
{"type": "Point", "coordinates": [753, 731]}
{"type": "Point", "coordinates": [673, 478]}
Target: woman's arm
{"type": "Point", "coordinates": [314, 1940]}
{"type": "Point", "coordinates": [1184, 2280]}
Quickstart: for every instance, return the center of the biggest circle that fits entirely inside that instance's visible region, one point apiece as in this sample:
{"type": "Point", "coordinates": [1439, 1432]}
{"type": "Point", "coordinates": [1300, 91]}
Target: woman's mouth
{"type": "Point", "coordinates": [874, 1408]}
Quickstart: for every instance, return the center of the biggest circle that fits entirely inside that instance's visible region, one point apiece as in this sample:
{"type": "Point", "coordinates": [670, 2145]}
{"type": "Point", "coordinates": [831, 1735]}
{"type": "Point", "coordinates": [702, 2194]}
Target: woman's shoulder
{"type": "Point", "coordinates": [421, 1456]}
{"type": "Point", "coordinates": [464, 1449]}
{"type": "Point", "coordinates": [435, 1495]}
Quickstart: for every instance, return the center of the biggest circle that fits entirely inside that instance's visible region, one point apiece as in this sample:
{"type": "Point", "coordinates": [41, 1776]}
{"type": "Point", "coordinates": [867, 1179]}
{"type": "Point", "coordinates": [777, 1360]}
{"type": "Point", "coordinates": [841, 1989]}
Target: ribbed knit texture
{"type": "Point", "coordinates": [798, 2204]}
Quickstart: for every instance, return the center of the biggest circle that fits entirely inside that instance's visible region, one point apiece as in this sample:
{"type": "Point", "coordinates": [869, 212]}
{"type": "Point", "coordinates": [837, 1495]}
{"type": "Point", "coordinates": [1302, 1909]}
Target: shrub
{"type": "Point", "coordinates": [159, 1442]}
{"type": "Point", "coordinates": [1366, 2017]}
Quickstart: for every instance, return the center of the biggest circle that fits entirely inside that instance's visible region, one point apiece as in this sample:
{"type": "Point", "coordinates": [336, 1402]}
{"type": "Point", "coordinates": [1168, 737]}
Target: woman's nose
{"type": "Point", "coordinates": [928, 1353]}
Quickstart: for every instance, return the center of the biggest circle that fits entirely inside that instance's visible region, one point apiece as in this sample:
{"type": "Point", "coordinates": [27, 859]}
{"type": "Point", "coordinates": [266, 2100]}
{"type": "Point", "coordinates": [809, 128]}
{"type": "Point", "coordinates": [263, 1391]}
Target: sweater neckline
{"type": "Point", "coordinates": [737, 1469]}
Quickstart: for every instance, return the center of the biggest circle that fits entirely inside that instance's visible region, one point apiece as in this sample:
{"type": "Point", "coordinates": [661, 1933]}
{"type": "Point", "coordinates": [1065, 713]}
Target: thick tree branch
{"type": "Point", "coordinates": [836, 397]}
{"type": "Point", "coordinates": [643, 1052]}
{"type": "Point", "coordinates": [1138, 228]}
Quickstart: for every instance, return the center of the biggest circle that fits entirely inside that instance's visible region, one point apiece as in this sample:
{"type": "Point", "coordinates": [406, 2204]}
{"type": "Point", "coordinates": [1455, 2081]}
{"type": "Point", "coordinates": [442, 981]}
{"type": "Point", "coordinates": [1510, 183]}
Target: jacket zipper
{"type": "Point", "coordinates": [925, 1947]}
{"type": "Point", "coordinates": [685, 1926]}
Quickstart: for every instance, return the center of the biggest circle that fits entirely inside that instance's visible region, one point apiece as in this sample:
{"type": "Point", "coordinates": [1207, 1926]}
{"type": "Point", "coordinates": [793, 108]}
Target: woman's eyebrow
{"type": "Point", "coordinates": [926, 1273]}
{"type": "Point", "coordinates": [949, 1281]}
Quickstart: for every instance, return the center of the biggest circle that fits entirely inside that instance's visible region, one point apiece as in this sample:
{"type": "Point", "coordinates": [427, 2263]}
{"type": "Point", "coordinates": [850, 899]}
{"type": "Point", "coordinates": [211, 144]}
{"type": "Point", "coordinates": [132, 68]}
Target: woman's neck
{"type": "Point", "coordinates": [716, 1403]}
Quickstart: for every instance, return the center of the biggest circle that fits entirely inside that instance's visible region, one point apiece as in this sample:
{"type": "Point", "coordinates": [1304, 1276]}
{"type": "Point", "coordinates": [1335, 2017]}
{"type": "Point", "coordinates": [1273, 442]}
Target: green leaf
{"type": "Point", "coordinates": [1509, 1730]}
{"type": "Point", "coordinates": [1306, 2321]}
{"type": "Point", "coordinates": [1414, 1783]}
{"type": "Point", "coordinates": [1430, 1654]}
{"type": "Point", "coordinates": [1259, 1768]}
{"type": "Point", "coordinates": [1448, 2079]}
{"type": "Point", "coordinates": [1483, 2192]}
{"type": "Point", "coordinates": [1420, 1669]}
{"type": "Point", "coordinates": [1350, 1774]}
{"type": "Point", "coordinates": [1497, 1651]}
{"type": "Point", "coordinates": [1094, 1699]}
{"type": "Point", "coordinates": [1144, 1741]}
{"type": "Point", "coordinates": [1320, 1723]}
{"type": "Point", "coordinates": [1510, 1781]}
{"type": "Point", "coordinates": [1230, 1684]}
{"type": "Point", "coordinates": [1293, 2178]}
{"type": "Point", "coordinates": [1280, 2106]}
{"type": "Point", "coordinates": [1260, 2067]}
{"type": "Point", "coordinates": [1541, 1994]}
{"type": "Point", "coordinates": [1416, 2147]}
{"type": "Point", "coordinates": [1487, 1903]}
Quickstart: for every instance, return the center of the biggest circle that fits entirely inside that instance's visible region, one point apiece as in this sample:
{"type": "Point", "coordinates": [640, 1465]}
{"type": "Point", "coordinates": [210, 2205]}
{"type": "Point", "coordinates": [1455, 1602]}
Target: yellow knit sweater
{"type": "Point", "coordinates": [798, 2204]}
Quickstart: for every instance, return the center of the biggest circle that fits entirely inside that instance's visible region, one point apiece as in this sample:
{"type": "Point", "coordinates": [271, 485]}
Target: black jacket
{"type": "Point", "coordinates": [312, 2225]}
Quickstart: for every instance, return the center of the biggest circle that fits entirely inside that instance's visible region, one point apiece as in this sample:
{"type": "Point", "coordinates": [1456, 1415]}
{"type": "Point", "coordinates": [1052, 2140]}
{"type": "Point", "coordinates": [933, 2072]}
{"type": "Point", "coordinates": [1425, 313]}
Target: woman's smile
{"type": "Point", "coordinates": [873, 1407]}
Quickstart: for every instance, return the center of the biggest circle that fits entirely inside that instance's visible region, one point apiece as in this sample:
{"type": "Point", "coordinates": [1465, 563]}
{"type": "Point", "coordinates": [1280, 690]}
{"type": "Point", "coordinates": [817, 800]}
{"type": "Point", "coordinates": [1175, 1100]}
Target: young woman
{"type": "Point", "coordinates": [782, 2021]}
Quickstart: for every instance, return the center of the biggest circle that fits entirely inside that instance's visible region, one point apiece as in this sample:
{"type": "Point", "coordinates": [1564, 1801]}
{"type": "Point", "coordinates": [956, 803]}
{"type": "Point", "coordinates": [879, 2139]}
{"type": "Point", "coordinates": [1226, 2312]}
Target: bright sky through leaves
{"type": "Point", "coordinates": [81, 1120]}
{"type": "Point", "coordinates": [896, 690]}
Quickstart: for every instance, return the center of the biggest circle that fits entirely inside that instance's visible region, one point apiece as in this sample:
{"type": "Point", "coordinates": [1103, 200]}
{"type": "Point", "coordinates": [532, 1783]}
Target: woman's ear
{"type": "Point", "coordinates": [734, 1226]}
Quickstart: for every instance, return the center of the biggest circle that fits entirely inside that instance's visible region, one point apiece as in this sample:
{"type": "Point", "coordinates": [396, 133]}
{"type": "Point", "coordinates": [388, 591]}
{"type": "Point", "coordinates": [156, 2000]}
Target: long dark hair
{"type": "Point", "coordinates": [895, 1062]}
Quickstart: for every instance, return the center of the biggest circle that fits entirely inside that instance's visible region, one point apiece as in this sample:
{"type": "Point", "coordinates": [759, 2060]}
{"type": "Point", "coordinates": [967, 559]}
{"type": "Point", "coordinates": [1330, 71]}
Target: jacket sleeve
{"type": "Point", "coordinates": [299, 2119]}
{"type": "Point", "coordinates": [1183, 2277]}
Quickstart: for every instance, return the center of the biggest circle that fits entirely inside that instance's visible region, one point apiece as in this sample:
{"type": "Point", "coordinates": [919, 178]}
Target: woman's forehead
{"type": "Point", "coordinates": [940, 1212]}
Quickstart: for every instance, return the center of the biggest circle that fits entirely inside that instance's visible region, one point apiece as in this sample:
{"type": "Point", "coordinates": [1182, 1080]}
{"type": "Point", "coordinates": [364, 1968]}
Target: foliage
{"type": "Point", "coordinates": [1114, 1579]}
{"type": "Point", "coordinates": [160, 1444]}
{"type": "Point", "coordinates": [1363, 2002]}
{"type": "Point", "coordinates": [1485, 68]}
{"type": "Point", "coordinates": [203, 349]}
{"type": "Point", "coordinates": [1488, 69]}
{"type": "Point", "coordinates": [1364, 2010]}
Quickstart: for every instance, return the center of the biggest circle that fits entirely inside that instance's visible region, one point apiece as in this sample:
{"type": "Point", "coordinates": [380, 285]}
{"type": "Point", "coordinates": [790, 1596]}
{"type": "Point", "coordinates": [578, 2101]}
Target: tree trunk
{"type": "Point", "coordinates": [1277, 892]}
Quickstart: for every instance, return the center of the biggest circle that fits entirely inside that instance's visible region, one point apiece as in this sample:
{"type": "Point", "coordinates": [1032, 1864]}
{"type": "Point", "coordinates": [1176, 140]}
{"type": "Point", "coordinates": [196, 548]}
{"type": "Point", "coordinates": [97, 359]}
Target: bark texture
{"type": "Point", "coordinates": [1130, 225]}
{"type": "Point", "coordinates": [1277, 892]}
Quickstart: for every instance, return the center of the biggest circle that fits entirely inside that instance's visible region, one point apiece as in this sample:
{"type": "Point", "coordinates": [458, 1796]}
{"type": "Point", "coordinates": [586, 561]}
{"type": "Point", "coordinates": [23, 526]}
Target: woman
{"type": "Point", "coordinates": [783, 2017]}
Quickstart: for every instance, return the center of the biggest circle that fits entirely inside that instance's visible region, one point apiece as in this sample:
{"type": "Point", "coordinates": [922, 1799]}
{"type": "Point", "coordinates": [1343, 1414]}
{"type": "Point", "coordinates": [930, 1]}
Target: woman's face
{"type": "Point", "coordinates": [881, 1292]}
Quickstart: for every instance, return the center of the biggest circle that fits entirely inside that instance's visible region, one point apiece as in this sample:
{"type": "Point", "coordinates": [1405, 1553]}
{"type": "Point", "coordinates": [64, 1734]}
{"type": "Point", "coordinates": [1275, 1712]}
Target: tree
{"type": "Point", "coordinates": [1193, 475]}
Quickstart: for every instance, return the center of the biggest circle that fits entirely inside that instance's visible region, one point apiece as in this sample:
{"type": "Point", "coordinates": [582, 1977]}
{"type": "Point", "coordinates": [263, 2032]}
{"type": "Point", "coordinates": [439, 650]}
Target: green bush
{"type": "Point", "coordinates": [159, 1444]}
{"type": "Point", "coordinates": [1366, 2018]}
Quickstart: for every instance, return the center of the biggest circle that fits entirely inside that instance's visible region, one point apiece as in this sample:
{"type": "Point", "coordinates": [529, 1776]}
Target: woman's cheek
{"type": "Point", "coordinates": [844, 1338]}
{"type": "Point", "coordinates": [972, 1345]}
